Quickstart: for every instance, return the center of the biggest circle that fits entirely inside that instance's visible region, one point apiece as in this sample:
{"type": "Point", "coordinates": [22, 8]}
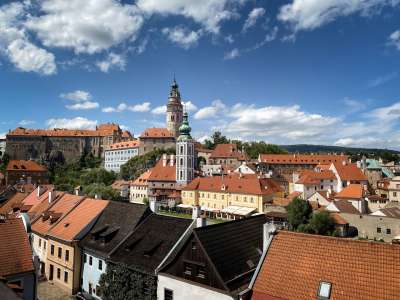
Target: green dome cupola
{"type": "Point", "coordinates": [184, 129]}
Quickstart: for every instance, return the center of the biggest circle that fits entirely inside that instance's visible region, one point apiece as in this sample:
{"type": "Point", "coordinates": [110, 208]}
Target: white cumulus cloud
{"type": "Point", "coordinates": [182, 36]}
{"type": "Point", "coordinates": [112, 61]}
{"type": "Point", "coordinates": [159, 110]}
{"type": "Point", "coordinates": [141, 107]}
{"type": "Point", "coordinates": [209, 112]}
{"type": "Point", "coordinates": [75, 123]}
{"type": "Point", "coordinates": [394, 39]}
{"type": "Point", "coordinates": [234, 53]}
{"type": "Point", "coordinates": [81, 100]}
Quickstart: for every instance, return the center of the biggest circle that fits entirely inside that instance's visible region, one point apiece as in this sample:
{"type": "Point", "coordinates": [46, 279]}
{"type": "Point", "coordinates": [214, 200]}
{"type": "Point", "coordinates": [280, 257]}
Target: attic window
{"type": "Point", "coordinates": [324, 290]}
{"type": "Point", "coordinates": [66, 225]}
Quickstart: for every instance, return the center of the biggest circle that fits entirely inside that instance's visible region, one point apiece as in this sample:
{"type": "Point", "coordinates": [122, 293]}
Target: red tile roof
{"type": "Point", "coordinates": [310, 177]}
{"type": "Point", "coordinates": [77, 219]}
{"type": "Point", "coordinates": [313, 159]}
{"type": "Point", "coordinates": [54, 213]}
{"type": "Point", "coordinates": [163, 173]}
{"type": "Point", "coordinates": [33, 198]}
{"type": "Point", "coordinates": [25, 165]}
{"type": "Point", "coordinates": [15, 250]}
{"type": "Point", "coordinates": [44, 204]}
{"type": "Point", "coordinates": [14, 201]}
{"type": "Point", "coordinates": [235, 183]}
{"type": "Point", "coordinates": [296, 263]}
{"type": "Point", "coordinates": [142, 179]}
{"type": "Point", "coordinates": [349, 172]}
{"type": "Point", "coordinates": [156, 133]}
{"type": "Point", "coordinates": [228, 151]}
{"type": "Point", "coordinates": [125, 145]}
{"type": "Point", "coordinates": [352, 191]}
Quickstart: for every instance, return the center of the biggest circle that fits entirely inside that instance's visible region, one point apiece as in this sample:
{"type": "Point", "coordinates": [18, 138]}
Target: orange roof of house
{"type": "Point", "coordinates": [101, 130]}
{"type": "Point", "coordinates": [15, 250]}
{"type": "Point", "coordinates": [313, 159]}
{"type": "Point", "coordinates": [118, 184]}
{"type": "Point", "coordinates": [313, 177]}
{"type": "Point", "coordinates": [228, 151]}
{"type": "Point", "coordinates": [142, 179]}
{"type": "Point", "coordinates": [54, 213]}
{"type": "Point", "coordinates": [25, 165]}
{"type": "Point", "coordinates": [163, 173]}
{"type": "Point", "coordinates": [278, 201]}
{"type": "Point", "coordinates": [77, 219]}
{"type": "Point", "coordinates": [235, 183]}
{"type": "Point", "coordinates": [156, 133]}
{"type": "Point", "coordinates": [44, 203]}
{"type": "Point", "coordinates": [125, 145]}
{"type": "Point", "coordinates": [352, 191]}
{"type": "Point", "coordinates": [338, 219]}
{"type": "Point", "coordinates": [349, 172]}
{"type": "Point", "coordinates": [293, 195]}
{"type": "Point", "coordinates": [15, 200]}
{"type": "Point", "coordinates": [296, 263]}
{"type": "Point", "coordinates": [33, 198]}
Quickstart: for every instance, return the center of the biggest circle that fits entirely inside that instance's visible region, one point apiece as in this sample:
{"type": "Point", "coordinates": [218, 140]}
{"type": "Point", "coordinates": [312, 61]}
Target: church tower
{"type": "Point", "coordinates": [185, 153]}
{"type": "Point", "coordinates": [174, 110]}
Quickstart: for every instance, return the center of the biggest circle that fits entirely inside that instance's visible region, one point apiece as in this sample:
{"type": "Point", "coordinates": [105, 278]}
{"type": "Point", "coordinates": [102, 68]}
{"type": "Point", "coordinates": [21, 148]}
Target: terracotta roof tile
{"type": "Point", "coordinates": [156, 133]}
{"type": "Point", "coordinates": [349, 172]}
{"type": "Point", "coordinates": [296, 263]}
{"type": "Point", "coordinates": [54, 213]}
{"type": "Point", "coordinates": [142, 179]}
{"type": "Point", "coordinates": [25, 165]}
{"type": "Point", "coordinates": [125, 145]}
{"type": "Point", "coordinates": [312, 177]}
{"type": "Point", "coordinates": [33, 199]}
{"type": "Point", "coordinates": [352, 191]}
{"type": "Point", "coordinates": [16, 199]}
{"type": "Point", "coordinates": [235, 183]}
{"type": "Point", "coordinates": [228, 151]}
{"type": "Point", "coordinates": [163, 171]}
{"type": "Point", "coordinates": [15, 250]}
{"type": "Point", "coordinates": [77, 219]}
{"type": "Point", "coordinates": [302, 158]}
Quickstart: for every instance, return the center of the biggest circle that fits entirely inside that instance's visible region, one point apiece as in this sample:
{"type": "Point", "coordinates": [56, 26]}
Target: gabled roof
{"type": "Point", "coordinates": [14, 200]}
{"type": "Point", "coordinates": [349, 172]}
{"type": "Point", "coordinates": [228, 151]}
{"type": "Point", "coordinates": [352, 191]}
{"type": "Point", "coordinates": [235, 183]}
{"type": "Point", "coordinates": [234, 248]}
{"type": "Point", "coordinates": [342, 206]}
{"type": "Point", "coordinates": [296, 264]}
{"type": "Point", "coordinates": [148, 245]}
{"type": "Point", "coordinates": [117, 220]}
{"type": "Point", "coordinates": [311, 177]}
{"type": "Point", "coordinates": [390, 212]}
{"type": "Point", "coordinates": [313, 159]}
{"type": "Point", "coordinates": [54, 213]}
{"type": "Point", "coordinates": [15, 250]}
{"type": "Point", "coordinates": [25, 165]}
{"type": "Point", "coordinates": [162, 172]}
{"type": "Point", "coordinates": [156, 133]}
{"type": "Point", "coordinates": [44, 203]}
{"type": "Point", "coordinates": [71, 225]}
{"type": "Point", "coordinates": [119, 184]}
{"type": "Point", "coordinates": [142, 179]}
{"type": "Point", "coordinates": [33, 198]}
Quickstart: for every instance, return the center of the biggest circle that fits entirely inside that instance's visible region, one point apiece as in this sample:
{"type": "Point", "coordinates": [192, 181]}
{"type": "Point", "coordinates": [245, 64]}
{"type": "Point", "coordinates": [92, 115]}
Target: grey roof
{"type": "Point", "coordinates": [392, 212]}
{"type": "Point", "coordinates": [148, 245]}
{"type": "Point", "coordinates": [116, 222]}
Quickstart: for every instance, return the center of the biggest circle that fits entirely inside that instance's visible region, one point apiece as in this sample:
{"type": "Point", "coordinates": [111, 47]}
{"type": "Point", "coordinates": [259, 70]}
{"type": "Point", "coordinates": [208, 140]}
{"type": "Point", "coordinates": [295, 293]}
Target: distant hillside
{"type": "Point", "coordinates": [302, 148]}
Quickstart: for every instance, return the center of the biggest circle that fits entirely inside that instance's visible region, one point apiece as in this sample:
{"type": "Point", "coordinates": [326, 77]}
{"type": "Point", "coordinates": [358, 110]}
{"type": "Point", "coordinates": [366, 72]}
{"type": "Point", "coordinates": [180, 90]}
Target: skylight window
{"type": "Point", "coordinates": [324, 290]}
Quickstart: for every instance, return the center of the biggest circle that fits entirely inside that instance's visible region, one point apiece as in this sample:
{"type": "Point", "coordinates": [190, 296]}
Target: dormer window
{"type": "Point", "coordinates": [324, 290]}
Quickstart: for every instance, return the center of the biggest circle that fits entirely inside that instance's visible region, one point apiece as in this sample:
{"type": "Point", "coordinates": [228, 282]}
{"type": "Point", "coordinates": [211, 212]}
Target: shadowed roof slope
{"type": "Point", "coordinates": [234, 248]}
{"type": "Point", "coordinates": [15, 250]}
{"type": "Point", "coordinates": [150, 242]}
{"type": "Point", "coordinates": [296, 263]}
{"type": "Point", "coordinates": [115, 223]}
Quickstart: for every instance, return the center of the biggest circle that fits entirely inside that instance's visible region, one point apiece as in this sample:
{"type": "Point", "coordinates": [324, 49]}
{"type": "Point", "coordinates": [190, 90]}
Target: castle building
{"type": "Point", "coordinates": [174, 110]}
{"type": "Point", "coordinates": [119, 154]}
{"type": "Point", "coordinates": [185, 154]}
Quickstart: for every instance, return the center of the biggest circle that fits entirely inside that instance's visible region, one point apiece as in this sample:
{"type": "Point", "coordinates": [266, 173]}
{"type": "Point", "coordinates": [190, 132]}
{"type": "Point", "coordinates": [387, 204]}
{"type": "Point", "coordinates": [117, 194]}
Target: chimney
{"type": "Point", "coordinates": [344, 162]}
{"type": "Point", "coordinates": [201, 221]}
{"type": "Point", "coordinates": [39, 191]}
{"type": "Point", "coordinates": [51, 196]}
{"type": "Point", "coordinates": [269, 231]}
{"type": "Point", "coordinates": [171, 160]}
{"type": "Point", "coordinates": [96, 196]}
{"type": "Point", "coordinates": [164, 160]}
{"type": "Point", "coordinates": [153, 206]}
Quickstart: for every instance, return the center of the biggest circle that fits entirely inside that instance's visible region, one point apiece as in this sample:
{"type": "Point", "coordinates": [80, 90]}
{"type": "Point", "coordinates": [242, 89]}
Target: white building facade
{"type": "Point", "coordinates": [119, 154]}
{"type": "Point", "coordinates": [92, 268]}
{"type": "Point", "coordinates": [185, 154]}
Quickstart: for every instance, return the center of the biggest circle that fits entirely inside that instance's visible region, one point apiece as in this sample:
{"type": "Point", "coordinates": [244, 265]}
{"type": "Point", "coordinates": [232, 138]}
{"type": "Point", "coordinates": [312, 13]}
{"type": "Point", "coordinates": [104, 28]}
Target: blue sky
{"type": "Point", "coordinates": [286, 72]}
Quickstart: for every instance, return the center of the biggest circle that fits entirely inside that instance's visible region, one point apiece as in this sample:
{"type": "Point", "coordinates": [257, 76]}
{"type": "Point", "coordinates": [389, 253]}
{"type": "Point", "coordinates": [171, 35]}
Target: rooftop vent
{"type": "Point", "coordinates": [324, 290]}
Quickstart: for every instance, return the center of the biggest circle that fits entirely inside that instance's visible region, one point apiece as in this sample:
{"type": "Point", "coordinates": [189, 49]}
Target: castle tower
{"type": "Point", "coordinates": [174, 110]}
{"type": "Point", "coordinates": [185, 153]}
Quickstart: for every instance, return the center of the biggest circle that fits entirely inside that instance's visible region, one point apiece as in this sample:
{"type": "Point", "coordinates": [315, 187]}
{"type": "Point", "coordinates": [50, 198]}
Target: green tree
{"type": "Point", "coordinates": [216, 138]}
{"type": "Point", "coordinates": [122, 283]}
{"type": "Point", "coordinates": [322, 223]}
{"type": "Point", "coordinates": [137, 165]}
{"type": "Point", "coordinates": [298, 212]}
{"type": "Point", "coordinates": [102, 191]}
{"type": "Point", "coordinates": [97, 175]}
